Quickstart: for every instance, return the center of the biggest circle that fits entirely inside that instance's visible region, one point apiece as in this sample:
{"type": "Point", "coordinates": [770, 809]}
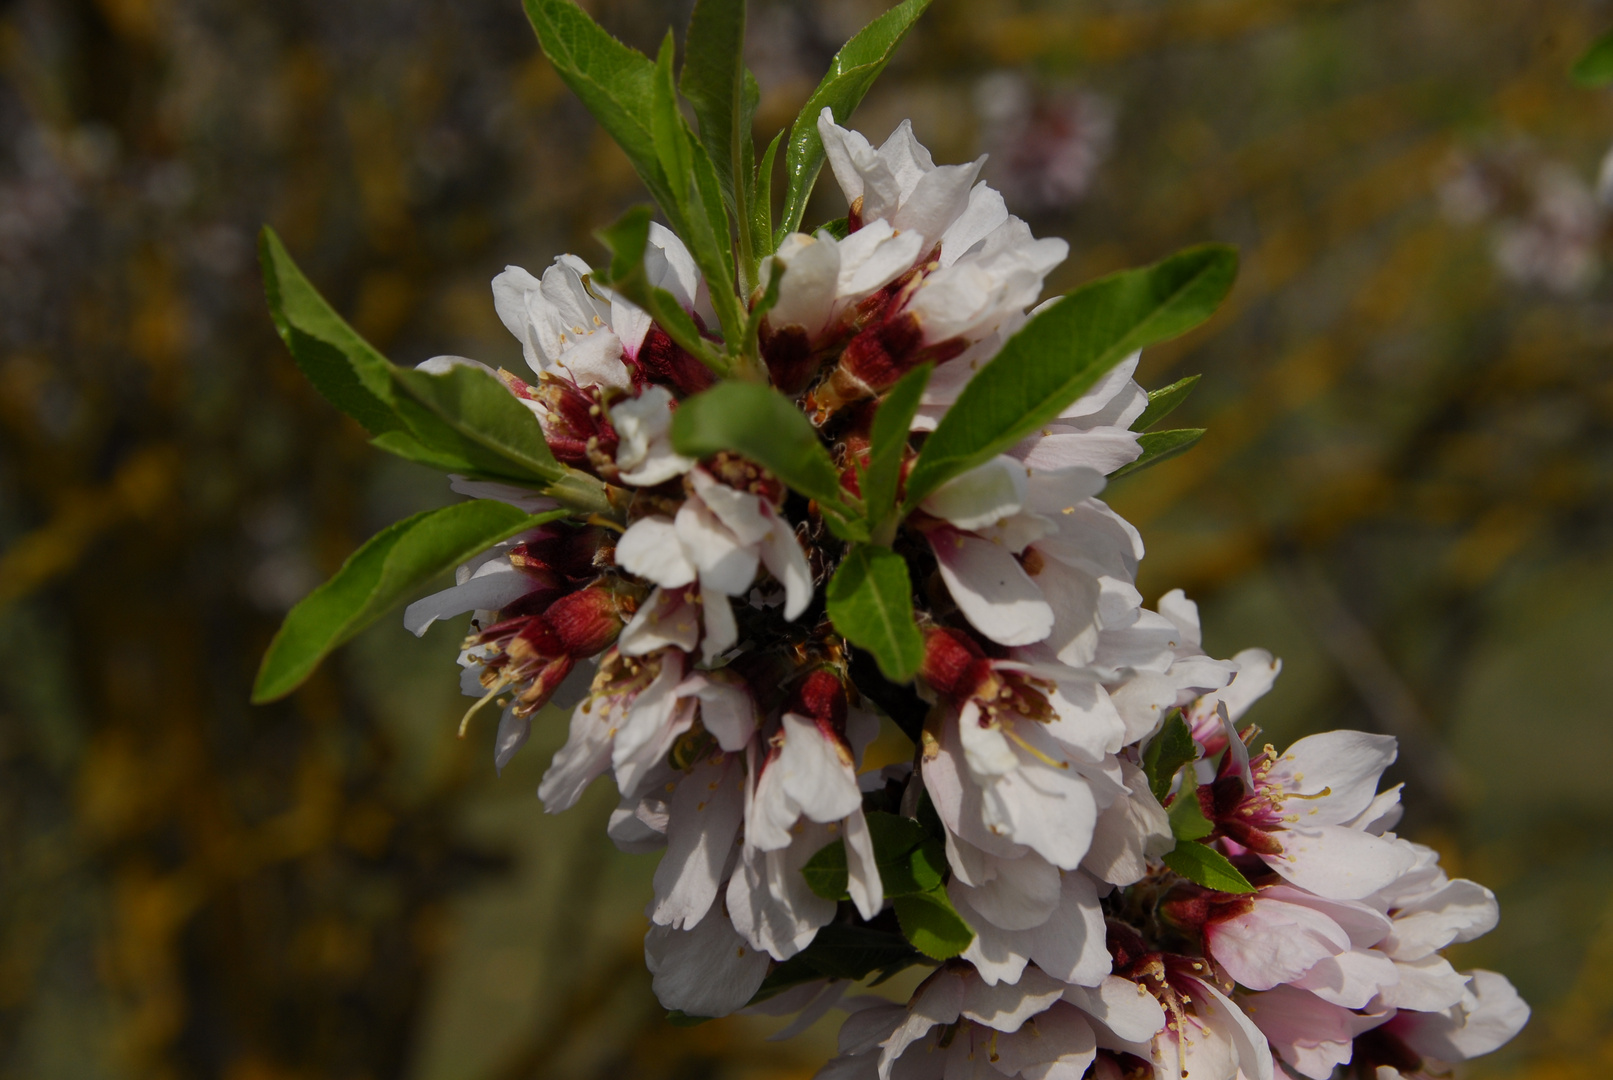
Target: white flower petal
{"type": "Point", "coordinates": [992, 589]}
{"type": "Point", "coordinates": [981, 496]}
{"type": "Point", "coordinates": [667, 618]}
{"type": "Point", "coordinates": [725, 564]}
{"type": "Point", "coordinates": [1121, 1005]}
{"type": "Point", "coordinates": [862, 871]}
{"type": "Point", "coordinates": [703, 819]}
{"type": "Point", "coordinates": [495, 585]}
{"type": "Point", "coordinates": [1487, 1019]}
{"type": "Point", "coordinates": [706, 971]}
{"type": "Point", "coordinates": [1344, 764]}
{"type": "Point", "coordinates": [650, 549]}
{"type": "Point", "coordinates": [1336, 862]}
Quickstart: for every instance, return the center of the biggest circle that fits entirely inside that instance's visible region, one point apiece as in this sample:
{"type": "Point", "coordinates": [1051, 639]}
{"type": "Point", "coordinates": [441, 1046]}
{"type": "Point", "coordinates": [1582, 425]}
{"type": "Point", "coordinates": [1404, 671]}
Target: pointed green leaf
{"type": "Point", "coordinates": [469, 412]}
{"type": "Point", "coordinates": [1595, 67]}
{"type": "Point", "coordinates": [1162, 402]}
{"type": "Point", "coordinates": [840, 951]}
{"type": "Point", "coordinates": [615, 82]}
{"type": "Point", "coordinates": [343, 367]}
{"type": "Point", "coordinates": [826, 872]}
{"type": "Point", "coordinates": [623, 90]}
{"type": "Point", "coordinates": [1170, 749]}
{"type": "Point", "coordinates": [1160, 446]}
{"type": "Point", "coordinates": [761, 201]}
{"type": "Point", "coordinates": [850, 74]}
{"type": "Point", "coordinates": [1063, 351]}
{"type": "Point", "coordinates": [713, 80]}
{"type": "Point", "coordinates": [1207, 867]}
{"type": "Point", "coordinates": [759, 423]}
{"type": "Point", "coordinates": [383, 573]}
{"type": "Point", "coordinates": [839, 228]}
{"type": "Point", "coordinates": [1186, 813]}
{"type": "Point", "coordinates": [712, 247]}
{"type": "Point", "coordinates": [406, 446]}
{"type": "Point", "coordinates": [909, 859]}
{"type": "Point", "coordinates": [888, 443]}
{"type": "Point", "coordinates": [870, 601]}
{"type": "Point", "coordinates": [932, 924]}
{"type": "Point", "coordinates": [671, 136]}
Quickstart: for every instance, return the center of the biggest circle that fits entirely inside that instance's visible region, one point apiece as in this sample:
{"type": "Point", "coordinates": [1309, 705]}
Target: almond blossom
{"type": "Point", "coordinates": [1074, 841]}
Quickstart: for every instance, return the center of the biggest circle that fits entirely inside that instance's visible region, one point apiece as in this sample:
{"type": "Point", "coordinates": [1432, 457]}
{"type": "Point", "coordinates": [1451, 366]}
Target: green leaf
{"type": "Point", "coordinates": [392, 564]}
{"type": "Point", "coordinates": [909, 859]}
{"type": "Point", "coordinates": [763, 425]}
{"type": "Point", "coordinates": [711, 248]}
{"type": "Point", "coordinates": [615, 82]}
{"type": "Point", "coordinates": [932, 924]}
{"type": "Point", "coordinates": [713, 80]}
{"type": "Point", "coordinates": [666, 125]}
{"type": "Point", "coordinates": [888, 444]}
{"type": "Point", "coordinates": [840, 951]}
{"type": "Point", "coordinates": [761, 201]}
{"type": "Point", "coordinates": [343, 367]}
{"type": "Point", "coordinates": [1595, 67]}
{"type": "Point", "coordinates": [850, 74]}
{"type": "Point", "coordinates": [839, 228]}
{"type": "Point", "coordinates": [1063, 351]}
{"type": "Point", "coordinates": [627, 240]}
{"type": "Point", "coordinates": [406, 446]}
{"type": "Point", "coordinates": [468, 412]}
{"type": "Point", "coordinates": [826, 872]}
{"type": "Point", "coordinates": [1167, 752]}
{"type": "Point", "coordinates": [1160, 446]}
{"type": "Point", "coordinates": [1207, 867]}
{"type": "Point", "coordinates": [870, 602]}
{"type": "Point", "coordinates": [1187, 814]}
{"type": "Point", "coordinates": [919, 870]}
{"type": "Point", "coordinates": [697, 211]}
{"type": "Point", "coordinates": [1162, 402]}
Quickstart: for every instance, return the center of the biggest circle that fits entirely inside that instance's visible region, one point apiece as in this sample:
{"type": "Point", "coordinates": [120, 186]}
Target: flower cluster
{"type": "Point", "coordinates": [763, 495]}
{"type": "Point", "coordinates": [1106, 871]}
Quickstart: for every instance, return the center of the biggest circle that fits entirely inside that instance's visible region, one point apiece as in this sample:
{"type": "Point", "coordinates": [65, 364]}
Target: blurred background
{"type": "Point", "coordinates": [1406, 491]}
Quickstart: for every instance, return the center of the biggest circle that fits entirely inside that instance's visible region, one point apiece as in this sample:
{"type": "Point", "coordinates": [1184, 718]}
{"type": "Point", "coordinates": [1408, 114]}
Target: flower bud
{"type": "Point", "coordinates": [1191, 908]}
{"type": "Point", "coordinates": [791, 361]}
{"type": "Point", "coordinates": [543, 685]}
{"type": "Point", "coordinates": [585, 622]}
{"type": "Point", "coordinates": [953, 664]}
{"type": "Point", "coordinates": [662, 360]}
{"type": "Point", "coordinates": [821, 697]}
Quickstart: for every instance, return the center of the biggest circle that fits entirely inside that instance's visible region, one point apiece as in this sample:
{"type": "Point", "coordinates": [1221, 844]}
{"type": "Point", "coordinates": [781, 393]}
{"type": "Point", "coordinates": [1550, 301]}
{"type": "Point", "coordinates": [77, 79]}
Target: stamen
{"type": "Point", "coordinates": [1033, 751]}
{"type": "Point", "coordinates": [492, 693]}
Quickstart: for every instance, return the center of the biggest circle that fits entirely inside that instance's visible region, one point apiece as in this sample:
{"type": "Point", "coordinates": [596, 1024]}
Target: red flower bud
{"type": "Point", "coordinates": [1192, 907]}
{"type": "Point", "coordinates": [791, 361]}
{"type": "Point", "coordinates": [821, 697]}
{"type": "Point", "coordinates": [954, 664]}
{"type": "Point", "coordinates": [585, 622]}
{"type": "Point", "coordinates": [884, 352]}
{"type": "Point", "coordinates": [536, 641]}
{"type": "Point", "coordinates": [662, 360]}
{"type": "Point", "coordinates": [542, 688]}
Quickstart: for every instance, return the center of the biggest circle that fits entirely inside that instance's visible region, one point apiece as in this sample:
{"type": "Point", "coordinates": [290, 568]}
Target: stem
{"type": "Point", "coordinates": [745, 260]}
{"type": "Point", "coordinates": [582, 492]}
